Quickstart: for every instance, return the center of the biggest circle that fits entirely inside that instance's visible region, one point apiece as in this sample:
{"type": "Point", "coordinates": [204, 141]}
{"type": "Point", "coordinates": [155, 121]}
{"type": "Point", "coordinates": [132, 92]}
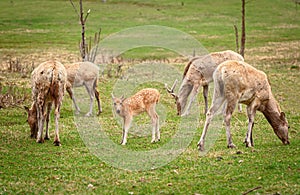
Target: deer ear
{"type": "Point", "coordinates": [122, 98]}
{"type": "Point", "coordinates": [112, 96]}
{"type": "Point", "coordinates": [282, 115]}
{"type": "Point", "coordinates": [26, 108]}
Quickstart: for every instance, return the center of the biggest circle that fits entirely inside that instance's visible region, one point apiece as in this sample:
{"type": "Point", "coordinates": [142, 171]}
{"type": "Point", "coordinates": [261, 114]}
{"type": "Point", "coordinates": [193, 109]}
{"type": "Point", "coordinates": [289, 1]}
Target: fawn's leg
{"type": "Point", "coordinates": [126, 126]}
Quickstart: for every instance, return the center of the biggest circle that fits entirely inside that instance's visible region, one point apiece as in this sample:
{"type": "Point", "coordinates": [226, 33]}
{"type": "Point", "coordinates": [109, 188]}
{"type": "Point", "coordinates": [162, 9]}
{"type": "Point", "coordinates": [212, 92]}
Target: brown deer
{"type": "Point", "coordinates": [198, 72]}
{"type": "Point", "coordinates": [237, 82]}
{"type": "Point", "coordinates": [143, 101]}
{"type": "Point", "coordinates": [48, 82]}
{"type": "Point", "coordinates": [84, 74]}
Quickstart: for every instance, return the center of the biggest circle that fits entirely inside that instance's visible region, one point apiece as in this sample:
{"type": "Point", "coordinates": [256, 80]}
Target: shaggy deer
{"type": "Point", "coordinates": [198, 72]}
{"type": "Point", "coordinates": [237, 82]}
{"type": "Point", "coordinates": [143, 101]}
{"type": "Point", "coordinates": [48, 84]}
{"type": "Point", "coordinates": [87, 74]}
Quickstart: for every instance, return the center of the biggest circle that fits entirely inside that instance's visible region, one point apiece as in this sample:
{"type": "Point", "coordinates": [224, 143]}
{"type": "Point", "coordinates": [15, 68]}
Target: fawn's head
{"type": "Point", "coordinates": [118, 103]}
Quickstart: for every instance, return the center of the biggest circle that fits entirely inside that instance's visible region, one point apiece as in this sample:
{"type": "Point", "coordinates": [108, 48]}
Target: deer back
{"type": "Point", "coordinates": [142, 100]}
{"type": "Point", "coordinates": [80, 72]}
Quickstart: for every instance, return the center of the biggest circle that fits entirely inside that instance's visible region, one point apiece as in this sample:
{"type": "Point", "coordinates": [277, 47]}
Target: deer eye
{"type": "Point", "coordinates": [115, 104]}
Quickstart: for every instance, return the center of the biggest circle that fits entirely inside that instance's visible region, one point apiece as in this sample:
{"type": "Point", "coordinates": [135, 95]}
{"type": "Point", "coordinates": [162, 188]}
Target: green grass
{"type": "Point", "coordinates": [30, 29]}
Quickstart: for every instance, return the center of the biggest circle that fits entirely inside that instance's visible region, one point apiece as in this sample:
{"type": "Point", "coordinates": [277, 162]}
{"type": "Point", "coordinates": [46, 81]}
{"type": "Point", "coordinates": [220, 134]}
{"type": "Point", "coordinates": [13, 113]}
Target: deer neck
{"type": "Point", "coordinates": [271, 111]}
{"type": "Point", "coordinates": [184, 92]}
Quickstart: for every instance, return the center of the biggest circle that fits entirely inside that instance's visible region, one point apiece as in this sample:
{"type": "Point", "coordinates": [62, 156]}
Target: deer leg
{"type": "Point", "coordinates": [89, 89]}
{"type": "Point", "coordinates": [227, 117]}
{"type": "Point", "coordinates": [251, 111]}
{"type": "Point", "coordinates": [126, 126]}
{"type": "Point", "coordinates": [194, 93]}
{"type": "Point", "coordinates": [40, 119]}
{"type": "Point", "coordinates": [155, 124]}
{"type": "Point", "coordinates": [57, 115]}
{"type": "Point", "coordinates": [70, 92]}
{"type": "Point", "coordinates": [217, 103]}
{"type": "Point", "coordinates": [205, 94]}
{"type": "Point", "coordinates": [98, 101]}
{"type": "Point", "coordinates": [47, 137]}
{"type": "Point", "coordinates": [157, 127]}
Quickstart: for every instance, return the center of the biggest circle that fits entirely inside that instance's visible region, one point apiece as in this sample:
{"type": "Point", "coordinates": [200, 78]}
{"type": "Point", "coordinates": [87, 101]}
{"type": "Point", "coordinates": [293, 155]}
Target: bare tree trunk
{"type": "Point", "coordinates": [82, 32]}
{"type": "Point", "coordinates": [82, 45]}
{"type": "Point", "coordinates": [243, 38]}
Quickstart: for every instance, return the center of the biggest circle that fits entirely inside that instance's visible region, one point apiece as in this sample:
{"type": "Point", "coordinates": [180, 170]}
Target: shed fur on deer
{"type": "Point", "coordinates": [84, 74]}
{"type": "Point", "coordinates": [48, 82]}
{"type": "Point", "coordinates": [237, 82]}
{"type": "Point", "coordinates": [198, 72]}
{"type": "Point", "coordinates": [143, 101]}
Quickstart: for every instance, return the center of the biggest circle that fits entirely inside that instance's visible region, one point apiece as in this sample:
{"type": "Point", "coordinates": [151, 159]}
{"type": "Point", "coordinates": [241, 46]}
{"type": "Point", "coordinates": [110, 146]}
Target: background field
{"type": "Point", "coordinates": [33, 31]}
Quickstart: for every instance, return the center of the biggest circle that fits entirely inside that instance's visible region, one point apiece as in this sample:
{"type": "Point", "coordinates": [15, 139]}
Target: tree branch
{"type": "Point", "coordinates": [236, 38]}
{"type": "Point", "coordinates": [87, 14]}
{"type": "Point", "coordinates": [76, 11]}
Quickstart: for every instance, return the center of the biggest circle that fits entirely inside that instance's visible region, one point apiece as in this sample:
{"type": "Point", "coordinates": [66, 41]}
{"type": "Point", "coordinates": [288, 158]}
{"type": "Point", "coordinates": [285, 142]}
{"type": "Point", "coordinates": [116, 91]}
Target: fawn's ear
{"type": "Point", "coordinates": [122, 98]}
{"type": "Point", "coordinates": [112, 96]}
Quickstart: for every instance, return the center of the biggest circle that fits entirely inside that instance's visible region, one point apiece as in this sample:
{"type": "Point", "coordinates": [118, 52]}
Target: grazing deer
{"type": "Point", "coordinates": [84, 74]}
{"type": "Point", "coordinates": [198, 72]}
{"type": "Point", "coordinates": [237, 82]}
{"type": "Point", "coordinates": [143, 101]}
{"type": "Point", "coordinates": [48, 85]}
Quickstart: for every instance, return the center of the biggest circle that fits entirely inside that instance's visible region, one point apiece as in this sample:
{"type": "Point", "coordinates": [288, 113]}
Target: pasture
{"type": "Point", "coordinates": [34, 31]}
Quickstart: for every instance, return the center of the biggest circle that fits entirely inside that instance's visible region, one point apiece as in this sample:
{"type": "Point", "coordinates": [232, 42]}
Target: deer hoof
{"type": "Point", "coordinates": [248, 144]}
{"type": "Point", "coordinates": [231, 146]}
{"type": "Point", "coordinates": [88, 114]}
{"type": "Point", "coordinates": [200, 146]}
{"type": "Point", "coordinates": [184, 114]}
{"type": "Point", "coordinates": [40, 141]}
{"type": "Point", "coordinates": [99, 112]}
{"type": "Point", "coordinates": [57, 143]}
{"type": "Point", "coordinates": [77, 112]}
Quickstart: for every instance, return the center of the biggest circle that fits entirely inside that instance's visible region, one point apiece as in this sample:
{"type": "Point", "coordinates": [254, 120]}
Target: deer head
{"type": "Point", "coordinates": [32, 120]}
{"type": "Point", "coordinates": [171, 91]}
{"type": "Point", "coordinates": [282, 129]}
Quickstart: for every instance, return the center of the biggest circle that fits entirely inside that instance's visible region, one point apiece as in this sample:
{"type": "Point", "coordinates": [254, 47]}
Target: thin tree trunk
{"type": "Point", "coordinates": [243, 38]}
{"type": "Point", "coordinates": [82, 32]}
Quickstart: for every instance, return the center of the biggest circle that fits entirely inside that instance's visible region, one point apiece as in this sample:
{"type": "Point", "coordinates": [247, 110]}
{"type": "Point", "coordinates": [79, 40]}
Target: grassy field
{"type": "Point", "coordinates": [33, 31]}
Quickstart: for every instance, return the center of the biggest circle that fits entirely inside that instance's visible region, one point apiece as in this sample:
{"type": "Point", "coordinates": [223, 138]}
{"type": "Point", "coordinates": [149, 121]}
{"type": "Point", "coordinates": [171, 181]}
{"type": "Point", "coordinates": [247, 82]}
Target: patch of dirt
{"type": "Point", "coordinates": [35, 58]}
{"type": "Point", "coordinates": [283, 53]}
